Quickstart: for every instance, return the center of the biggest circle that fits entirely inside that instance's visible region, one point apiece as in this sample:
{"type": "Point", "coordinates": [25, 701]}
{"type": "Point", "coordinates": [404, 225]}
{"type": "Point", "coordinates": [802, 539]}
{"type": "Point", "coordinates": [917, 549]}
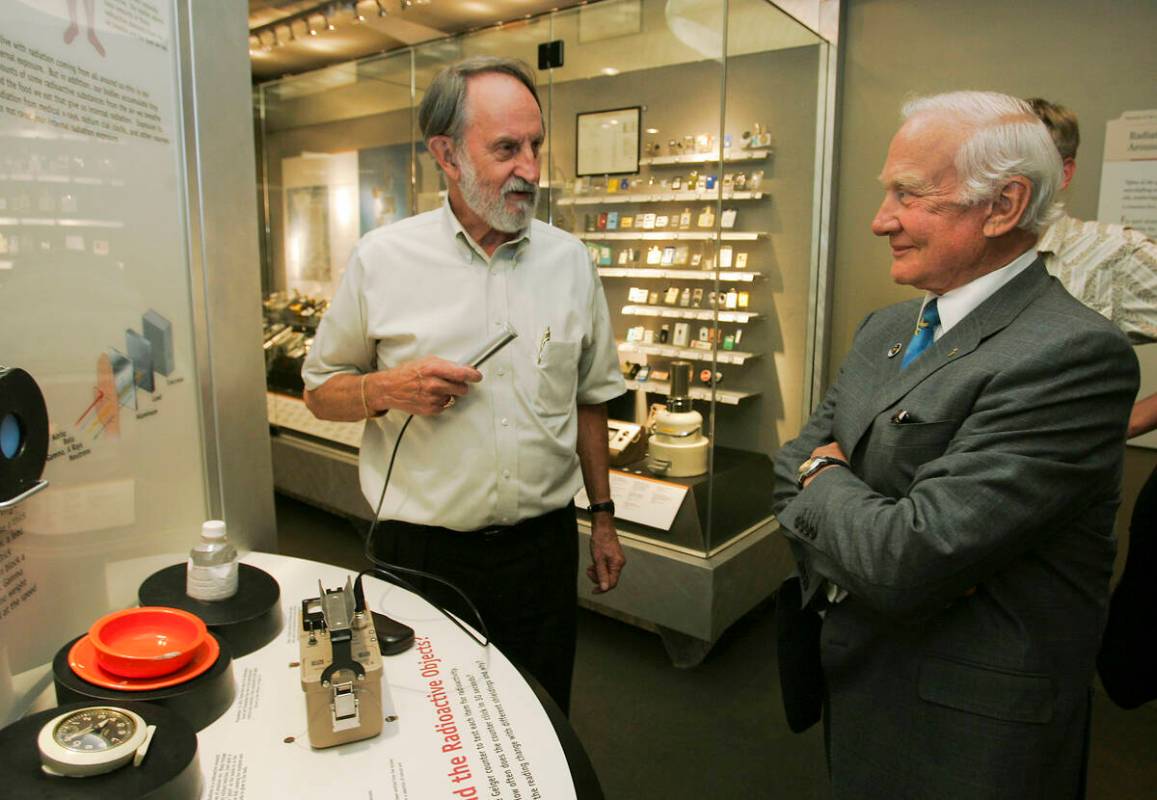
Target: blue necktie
{"type": "Point", "coordinates": [925, 334]}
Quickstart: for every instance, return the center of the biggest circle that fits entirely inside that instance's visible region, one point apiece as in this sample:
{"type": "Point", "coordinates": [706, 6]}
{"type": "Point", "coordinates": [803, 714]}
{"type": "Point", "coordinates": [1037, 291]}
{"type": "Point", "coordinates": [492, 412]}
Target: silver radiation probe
{"type": "Point", "coordinates": [500, 340]}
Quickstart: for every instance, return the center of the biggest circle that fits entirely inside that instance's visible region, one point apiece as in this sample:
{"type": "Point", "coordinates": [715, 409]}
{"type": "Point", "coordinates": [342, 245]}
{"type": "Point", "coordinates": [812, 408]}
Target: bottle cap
{"type": "Point", "coordinates": [213, 529]}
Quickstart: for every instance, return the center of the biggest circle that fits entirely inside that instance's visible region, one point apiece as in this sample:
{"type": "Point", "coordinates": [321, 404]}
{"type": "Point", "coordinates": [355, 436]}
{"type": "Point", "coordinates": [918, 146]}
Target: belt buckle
{"type": "Point", "coordinates": [493, 532]}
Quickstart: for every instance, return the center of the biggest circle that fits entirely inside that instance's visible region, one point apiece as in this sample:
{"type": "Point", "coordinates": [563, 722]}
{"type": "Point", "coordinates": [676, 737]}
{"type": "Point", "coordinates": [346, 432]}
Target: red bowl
{"type": "Point", "coordinates": [146, 642]}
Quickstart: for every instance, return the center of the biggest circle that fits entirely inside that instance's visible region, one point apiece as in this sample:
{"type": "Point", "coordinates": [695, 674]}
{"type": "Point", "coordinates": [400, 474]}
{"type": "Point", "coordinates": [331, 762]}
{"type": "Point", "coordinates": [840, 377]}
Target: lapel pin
{"type": "Point", "coordinates": [953, 351]}
{"type": "Point", "coordinates": [895, 349]}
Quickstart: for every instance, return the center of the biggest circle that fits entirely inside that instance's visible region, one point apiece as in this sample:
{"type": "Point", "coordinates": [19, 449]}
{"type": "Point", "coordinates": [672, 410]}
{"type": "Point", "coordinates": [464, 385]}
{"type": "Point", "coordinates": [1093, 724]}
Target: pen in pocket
{"type": "Point", "coordinates": [542, 343]}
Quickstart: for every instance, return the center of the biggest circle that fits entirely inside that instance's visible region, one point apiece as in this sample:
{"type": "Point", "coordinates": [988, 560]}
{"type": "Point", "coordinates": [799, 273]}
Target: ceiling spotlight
{"type": "Point", "coordinates": [381, 9]}
{"type": "Point", "coordinates": [359, 17]}
{"type": "Point", "coordinates": [309, 26]}
{"type": "Point", "coordinates": [254, 43]}
{"type": "Point", "coordinates": [292, 35]}
{"type": "Point", "coordinates": [407, 4]}
{"type": "Point", "coordinates": [328, 22]}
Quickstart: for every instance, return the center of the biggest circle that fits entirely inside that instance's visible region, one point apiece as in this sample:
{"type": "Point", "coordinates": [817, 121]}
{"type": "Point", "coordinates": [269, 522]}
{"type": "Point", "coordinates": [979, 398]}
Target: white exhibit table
{"type": "Point", "coordinates": [460, 720]}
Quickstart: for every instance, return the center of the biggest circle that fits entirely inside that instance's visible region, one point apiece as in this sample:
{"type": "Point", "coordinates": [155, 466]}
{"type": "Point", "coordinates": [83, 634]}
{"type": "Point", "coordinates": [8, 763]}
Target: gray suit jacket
{"type": "Point", "coordinates": [975, 541]}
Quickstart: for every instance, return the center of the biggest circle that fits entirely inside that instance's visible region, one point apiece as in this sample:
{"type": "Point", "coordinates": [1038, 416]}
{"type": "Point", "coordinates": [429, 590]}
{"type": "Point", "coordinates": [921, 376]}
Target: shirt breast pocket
{"type": "Point", "coordinates": [557, 378]}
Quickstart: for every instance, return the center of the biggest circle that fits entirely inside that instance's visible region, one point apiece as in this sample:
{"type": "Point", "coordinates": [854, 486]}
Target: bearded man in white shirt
{"type": "Point", "coordinates": [482, 490]}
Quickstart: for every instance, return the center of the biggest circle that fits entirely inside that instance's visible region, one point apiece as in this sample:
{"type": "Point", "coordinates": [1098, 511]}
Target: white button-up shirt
{"type": "Point", "coordinates": [506, 451]}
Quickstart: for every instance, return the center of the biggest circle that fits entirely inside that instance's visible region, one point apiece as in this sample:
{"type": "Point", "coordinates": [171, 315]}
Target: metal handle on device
{"type": "Point", "coordinates": [500, 340]}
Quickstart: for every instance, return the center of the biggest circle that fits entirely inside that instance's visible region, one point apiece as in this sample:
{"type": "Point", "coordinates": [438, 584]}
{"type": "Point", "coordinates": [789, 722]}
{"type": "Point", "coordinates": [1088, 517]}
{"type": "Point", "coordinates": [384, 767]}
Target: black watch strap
{"type": "Point", "coordinates": [606, 505]}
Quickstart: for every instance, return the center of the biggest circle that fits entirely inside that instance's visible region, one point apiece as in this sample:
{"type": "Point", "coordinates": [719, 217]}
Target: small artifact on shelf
{"type": "Point", "coordinates": [706, 217]}
{"type": "Point", "coordinates": [709, 378]}
{"type": "Point", "coordinates": [682, 334]}
{"type": "Point", "coordinates": [727, 220]}
{"type": "Point", "coordinates": [677, 446]}
{"type": "Point", "coordinates": [741, 260]}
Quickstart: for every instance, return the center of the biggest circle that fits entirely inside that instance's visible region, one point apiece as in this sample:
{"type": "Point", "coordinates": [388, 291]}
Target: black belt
{"type": "Point", "coordinates": [491, 533]}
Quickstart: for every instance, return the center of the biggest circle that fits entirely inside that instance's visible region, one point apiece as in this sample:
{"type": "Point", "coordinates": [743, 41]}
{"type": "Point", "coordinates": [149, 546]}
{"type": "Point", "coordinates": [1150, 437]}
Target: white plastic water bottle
{"type": "Point", "coordinates": [211, 573]}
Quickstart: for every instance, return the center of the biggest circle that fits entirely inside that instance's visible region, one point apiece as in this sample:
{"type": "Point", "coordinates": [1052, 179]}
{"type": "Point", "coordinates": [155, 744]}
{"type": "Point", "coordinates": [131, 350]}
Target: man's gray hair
{"type": "Point", "coordinates": [1005, 140]}
{"type": "Point", "coordinates": [443, 108]}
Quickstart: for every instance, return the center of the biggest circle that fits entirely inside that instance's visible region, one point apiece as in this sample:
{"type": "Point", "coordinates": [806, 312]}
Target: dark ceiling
{"type": "Point", "coordinates": [285, 45]}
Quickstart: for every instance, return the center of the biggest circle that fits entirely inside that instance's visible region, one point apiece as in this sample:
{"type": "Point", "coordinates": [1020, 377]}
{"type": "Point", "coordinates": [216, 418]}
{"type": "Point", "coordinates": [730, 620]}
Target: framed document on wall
{"type": "Point", "coordinates": [607, 142]}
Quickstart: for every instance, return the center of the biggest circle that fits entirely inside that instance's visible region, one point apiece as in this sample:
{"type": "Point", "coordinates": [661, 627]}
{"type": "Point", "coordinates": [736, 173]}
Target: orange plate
{"type": "Point", "coordinates": [82, 659]}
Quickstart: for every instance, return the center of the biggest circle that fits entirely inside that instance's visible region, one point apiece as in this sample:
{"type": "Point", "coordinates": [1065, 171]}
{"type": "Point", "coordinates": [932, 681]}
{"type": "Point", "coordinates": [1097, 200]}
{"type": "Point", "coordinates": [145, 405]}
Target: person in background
{"type": "Point", "coordinates": [1113, 270]}
{"type": "Point", "coordinates": [950, 503]}
{"type": "Point", "coordinates": [482, 491]}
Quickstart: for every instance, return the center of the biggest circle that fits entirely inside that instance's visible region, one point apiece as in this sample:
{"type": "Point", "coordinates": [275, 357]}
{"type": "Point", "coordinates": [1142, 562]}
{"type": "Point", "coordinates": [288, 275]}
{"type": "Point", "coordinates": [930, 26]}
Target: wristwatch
{"type": "Point", "coordinates": [606, 505]}
{"type": "Point", "coordinates": [815, 464]}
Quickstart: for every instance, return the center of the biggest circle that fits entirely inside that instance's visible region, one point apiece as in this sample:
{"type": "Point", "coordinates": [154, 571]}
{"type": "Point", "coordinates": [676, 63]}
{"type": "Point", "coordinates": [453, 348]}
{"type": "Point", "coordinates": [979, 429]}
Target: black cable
{"type": "Point", "coordinates": [387, 569]}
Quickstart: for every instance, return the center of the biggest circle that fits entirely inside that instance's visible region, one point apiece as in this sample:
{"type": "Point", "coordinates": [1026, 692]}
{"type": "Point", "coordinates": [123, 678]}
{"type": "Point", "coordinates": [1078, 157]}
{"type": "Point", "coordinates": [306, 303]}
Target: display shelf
{"type": "Point", "coordinates": [732, 276]}
{"type": "Point", "coordinates": [724, 396]}
{"type": "Point", "coordinates": [673, 236]}
{"type": "Point", "coordinates": [732, 156]}
{"type": "Point", "coordinates": [659, 197]}
{"type": "Point", "coordinates": [704, 314]}
{"type": "Point", "coordinates": [689, 353]}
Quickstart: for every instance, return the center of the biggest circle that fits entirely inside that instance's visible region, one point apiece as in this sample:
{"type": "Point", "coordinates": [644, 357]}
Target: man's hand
{"type": "Point", "coordinates": [831, 450]}
{"type": "Point", "coordinates": [607, 557]}
{"type": "Point", "coordinates": [425, 387]}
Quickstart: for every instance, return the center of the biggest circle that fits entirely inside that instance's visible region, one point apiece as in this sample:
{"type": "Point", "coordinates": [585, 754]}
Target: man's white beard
{"type": "Point", "coordinates": [491, 206]}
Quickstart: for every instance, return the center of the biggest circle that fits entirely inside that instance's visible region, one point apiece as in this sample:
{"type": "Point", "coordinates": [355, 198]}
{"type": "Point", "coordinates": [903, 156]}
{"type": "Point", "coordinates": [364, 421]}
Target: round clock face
{"type": "Point", "coordinates": [92, 730]}
{"type": "Point", "coordinates": [91, 741]}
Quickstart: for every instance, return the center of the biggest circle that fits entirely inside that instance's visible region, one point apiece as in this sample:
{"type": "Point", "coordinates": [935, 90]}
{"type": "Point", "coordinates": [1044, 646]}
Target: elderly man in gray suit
{"type": "Point", "coordinates": [950, 504]}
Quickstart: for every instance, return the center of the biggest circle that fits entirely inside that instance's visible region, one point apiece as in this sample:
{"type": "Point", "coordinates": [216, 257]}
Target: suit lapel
{"type": "Point", "coordinates": [989, 317]}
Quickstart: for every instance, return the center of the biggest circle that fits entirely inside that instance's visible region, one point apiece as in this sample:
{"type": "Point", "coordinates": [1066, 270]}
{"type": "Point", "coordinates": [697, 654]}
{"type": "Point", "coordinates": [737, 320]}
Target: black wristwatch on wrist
{"type": "Point", "coordinates": [606, 505]}
{"type": "Point", "coordinates": [815, 464]}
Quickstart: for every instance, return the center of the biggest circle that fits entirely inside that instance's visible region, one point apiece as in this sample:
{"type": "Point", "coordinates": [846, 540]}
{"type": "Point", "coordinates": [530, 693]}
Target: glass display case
{"type": "Point", "coordinates": [688, 146]}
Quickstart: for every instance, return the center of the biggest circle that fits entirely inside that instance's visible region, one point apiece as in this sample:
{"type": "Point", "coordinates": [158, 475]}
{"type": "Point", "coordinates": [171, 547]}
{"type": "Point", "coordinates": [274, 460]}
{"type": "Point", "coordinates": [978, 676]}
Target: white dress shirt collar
{"type": "Point", "coordinates": [458, 233]}
{"type": "Point", "coordinates": [958, 303]}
